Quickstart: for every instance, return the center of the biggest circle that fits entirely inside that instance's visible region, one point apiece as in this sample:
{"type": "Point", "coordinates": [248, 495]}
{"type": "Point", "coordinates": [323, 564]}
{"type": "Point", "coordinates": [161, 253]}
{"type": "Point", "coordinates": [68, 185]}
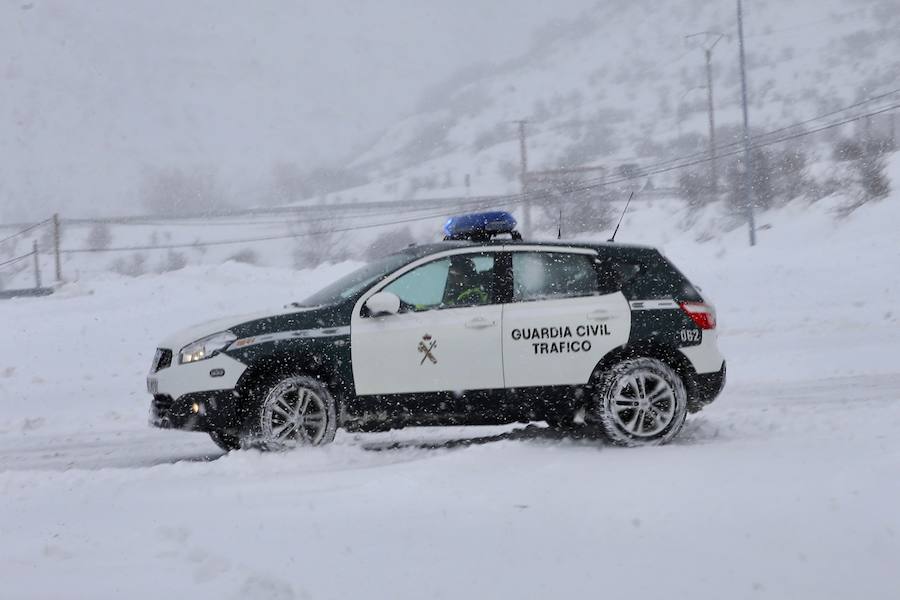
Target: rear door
{"type": "Point", "coordinates": [557, 324]}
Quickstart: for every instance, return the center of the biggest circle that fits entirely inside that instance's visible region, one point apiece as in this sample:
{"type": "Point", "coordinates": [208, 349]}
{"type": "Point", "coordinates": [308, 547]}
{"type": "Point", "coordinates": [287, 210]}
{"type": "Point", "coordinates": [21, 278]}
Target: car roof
{"type": "Point", "coordinates": [432, 248]}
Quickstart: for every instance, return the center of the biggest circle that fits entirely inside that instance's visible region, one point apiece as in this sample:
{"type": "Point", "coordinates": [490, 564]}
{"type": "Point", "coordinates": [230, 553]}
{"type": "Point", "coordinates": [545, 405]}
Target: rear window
{"type": "Point", "coordinates": [645, 275]}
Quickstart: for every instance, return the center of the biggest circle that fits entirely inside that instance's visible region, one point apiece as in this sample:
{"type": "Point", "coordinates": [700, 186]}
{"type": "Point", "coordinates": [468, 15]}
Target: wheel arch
{"type": "Point", "coordinates": [275, 364]}
{"type": "Point", "coordinates": [667, 354]}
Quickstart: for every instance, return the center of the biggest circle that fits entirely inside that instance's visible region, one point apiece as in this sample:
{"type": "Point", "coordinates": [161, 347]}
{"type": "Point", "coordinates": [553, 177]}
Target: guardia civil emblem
{"type": "Point", "coordinates": [426, 347]}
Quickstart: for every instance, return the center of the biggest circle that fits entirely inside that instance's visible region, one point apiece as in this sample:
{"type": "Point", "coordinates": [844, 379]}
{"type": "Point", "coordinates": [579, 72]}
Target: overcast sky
{"type": "Point", "coordinates": [93, 92]}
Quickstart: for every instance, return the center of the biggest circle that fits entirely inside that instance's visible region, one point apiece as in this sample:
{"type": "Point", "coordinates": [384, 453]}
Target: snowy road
{"type": "Point", "coordinates": [783, 491]}
{"type": "Point", "coordinates": [763, 412]}
{"type": "Point", "coordinates": [787, 487]}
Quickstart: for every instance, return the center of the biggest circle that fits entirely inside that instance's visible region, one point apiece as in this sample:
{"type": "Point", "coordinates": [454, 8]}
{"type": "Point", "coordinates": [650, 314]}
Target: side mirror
{"type": "Point", "coordinates": [383, 303]}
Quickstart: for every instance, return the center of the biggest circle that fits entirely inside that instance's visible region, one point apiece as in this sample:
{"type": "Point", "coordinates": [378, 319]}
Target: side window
{"type": "Point", "coordinates": [452, 282]}
{"type": "Point", "coordinates": [423, 286]}
{"type": "Point", "coordinates": [551, 275]}
{"type": "Point", "coordinates": [647, 276]}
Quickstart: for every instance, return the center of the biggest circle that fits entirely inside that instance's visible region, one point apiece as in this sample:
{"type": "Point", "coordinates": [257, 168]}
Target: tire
{"type": "Point", "coordinates": [293, 411]}
{"type": "Point", "coordinates": [225, 441]}
{"type": "Point", "coordinates": [640, 402]}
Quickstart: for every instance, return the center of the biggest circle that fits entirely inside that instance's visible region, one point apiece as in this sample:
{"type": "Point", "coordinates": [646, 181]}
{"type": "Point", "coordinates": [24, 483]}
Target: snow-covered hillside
{"type": "Point", "coordinates": [784, 488]}
{"type": "Point", "coordinates": [621, 84]}
{"type": "Point", "coordinates": [100, 103]}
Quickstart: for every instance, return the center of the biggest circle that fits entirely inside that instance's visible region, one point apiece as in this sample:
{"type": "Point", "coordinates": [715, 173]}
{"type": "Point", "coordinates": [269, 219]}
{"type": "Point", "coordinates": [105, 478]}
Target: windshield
{"type": "Point", "coordinates": [356, 281]}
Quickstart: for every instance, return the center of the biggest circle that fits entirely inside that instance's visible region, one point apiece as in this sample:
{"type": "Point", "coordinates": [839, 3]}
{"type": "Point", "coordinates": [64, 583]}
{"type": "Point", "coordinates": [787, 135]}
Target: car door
{"type": "Point", "coordinates": [558, 325]}
{"type": "Point", "coordinates": [446, 337]}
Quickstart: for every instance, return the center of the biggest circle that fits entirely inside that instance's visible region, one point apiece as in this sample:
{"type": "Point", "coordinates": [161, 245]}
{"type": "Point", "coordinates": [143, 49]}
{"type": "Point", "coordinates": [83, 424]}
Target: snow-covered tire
{"type": "Point", "coordinates": [293, 411]}
{"type": "Point", "coordinates": [640, 402]}
{"type": "Point", "coordinates": [225, 441]}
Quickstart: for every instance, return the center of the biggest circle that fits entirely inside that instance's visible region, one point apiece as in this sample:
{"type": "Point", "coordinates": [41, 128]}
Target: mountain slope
{"type": "Point", "coordinates": [621, 83]}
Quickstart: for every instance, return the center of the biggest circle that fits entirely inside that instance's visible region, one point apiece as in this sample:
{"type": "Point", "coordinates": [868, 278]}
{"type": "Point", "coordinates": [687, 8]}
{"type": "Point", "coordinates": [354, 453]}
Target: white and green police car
{"type": "Point", "coordinates": [482, 328]}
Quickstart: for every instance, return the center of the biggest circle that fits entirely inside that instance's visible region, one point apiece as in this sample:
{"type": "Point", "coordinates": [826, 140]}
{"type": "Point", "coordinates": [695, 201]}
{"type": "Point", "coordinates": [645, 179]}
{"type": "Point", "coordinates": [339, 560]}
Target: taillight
{"type": "Point", "coordinates": [703, 315]}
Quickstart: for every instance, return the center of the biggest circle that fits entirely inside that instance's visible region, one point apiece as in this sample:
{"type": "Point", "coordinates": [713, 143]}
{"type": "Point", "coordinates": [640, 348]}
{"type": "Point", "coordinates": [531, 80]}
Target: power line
{"type": "Point", "coordinates": [824, 115]}
{"type": "Point", "coordinates": [766, 134]}
{"type": "Point", "coordinates": [16, 259]}
{"type": "Point", "coordinates": [441, 214]}
{"type": "Point", "coordinates": [688, 160]}
{"type": "Point", "coordinates": [724, 147]}
{"type": "Point", "coordinates": [26, 230]}
{"type": "Point", "coordinates": [333, 217]}
{"type": "Point", "coordinates": [656, 170]}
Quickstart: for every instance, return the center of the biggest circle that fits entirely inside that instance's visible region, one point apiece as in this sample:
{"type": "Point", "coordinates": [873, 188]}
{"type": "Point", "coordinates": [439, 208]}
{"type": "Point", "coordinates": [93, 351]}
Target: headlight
{"type": "Point", "coordinates": [206, 347]}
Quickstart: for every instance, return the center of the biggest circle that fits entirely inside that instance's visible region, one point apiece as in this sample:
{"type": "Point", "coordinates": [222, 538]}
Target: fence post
{"type": "Point", "coordinates": [37, 265]}
{"type": "Point", "coordinates": [56, 247]}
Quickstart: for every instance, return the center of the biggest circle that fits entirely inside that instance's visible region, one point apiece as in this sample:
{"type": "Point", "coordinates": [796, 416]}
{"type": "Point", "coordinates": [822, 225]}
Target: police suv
{"type": "Point", "coordinates": [482, 328]}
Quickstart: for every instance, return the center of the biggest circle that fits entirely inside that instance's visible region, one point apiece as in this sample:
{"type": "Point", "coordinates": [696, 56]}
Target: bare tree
{"type": "Point", "coordinates": [694, 187]}
{"type": "Point", "coordinates": [133, 266]}
{"type": "Point", "coordinates": [865, 178]}
{"type": "Point", "coordinates": [99, 237]}
{"type": "Point", "coordinates": [317, 242]}
{"type": "Point", "coordinates": [762, 184]}
{"type": "Point", "coordinates": [871, 176]}
{"type": "Point", "coordinates": [789, 171]}
{"type": "Point", "coordinates": [173, 261]}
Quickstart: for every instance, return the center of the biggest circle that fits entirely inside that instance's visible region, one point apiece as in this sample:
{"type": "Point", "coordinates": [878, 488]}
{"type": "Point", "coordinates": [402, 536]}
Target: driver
{"type": "Point", "coordinates": [465, 286]}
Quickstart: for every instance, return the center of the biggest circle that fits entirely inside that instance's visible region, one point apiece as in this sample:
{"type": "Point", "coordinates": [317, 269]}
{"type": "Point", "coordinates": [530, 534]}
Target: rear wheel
{"type": "Point", "coordinates": [640, 402]}
{"type": "Point", "coordinates": [294, 411]}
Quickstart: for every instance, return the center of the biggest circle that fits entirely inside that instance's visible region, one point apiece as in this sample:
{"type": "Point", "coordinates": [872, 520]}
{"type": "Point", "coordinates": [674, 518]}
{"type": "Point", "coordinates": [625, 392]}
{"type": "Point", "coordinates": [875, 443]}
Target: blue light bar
{"type": "Point", "coordinates": [479, 225]}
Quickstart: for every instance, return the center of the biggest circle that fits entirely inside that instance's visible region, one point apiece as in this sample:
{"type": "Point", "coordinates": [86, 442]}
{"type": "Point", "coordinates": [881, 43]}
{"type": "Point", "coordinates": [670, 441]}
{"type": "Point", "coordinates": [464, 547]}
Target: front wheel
{"type": "Point", "coordinates": [296, 410]}
{"type": "Point", "coordinates": [640, 402]}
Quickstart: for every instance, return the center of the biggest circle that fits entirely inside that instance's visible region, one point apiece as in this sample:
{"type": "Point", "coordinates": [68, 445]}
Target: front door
{"type": "Point", "coordinates": [558, 326]}
{"type": "Point", "coordinates": [446, 337]}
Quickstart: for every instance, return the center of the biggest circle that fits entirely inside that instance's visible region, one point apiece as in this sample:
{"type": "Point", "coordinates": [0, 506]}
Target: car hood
{"type": "Point", "coordinates": [239, 325]}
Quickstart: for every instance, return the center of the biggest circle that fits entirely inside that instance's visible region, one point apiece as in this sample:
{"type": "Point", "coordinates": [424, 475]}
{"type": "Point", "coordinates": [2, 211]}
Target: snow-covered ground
{"type": "Point", "coordinates": [786, 487]}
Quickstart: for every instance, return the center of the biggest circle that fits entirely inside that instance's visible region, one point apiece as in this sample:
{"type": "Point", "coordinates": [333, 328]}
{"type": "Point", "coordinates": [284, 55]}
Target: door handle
{"type": "Point", "coordinates": [480, 323]}
{"type": "Point", "coordinates": [601, 314]}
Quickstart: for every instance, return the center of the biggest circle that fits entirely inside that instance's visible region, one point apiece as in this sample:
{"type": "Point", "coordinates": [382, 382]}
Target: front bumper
{"type": "Point", "coordinates": [196, 396]}
{"type": "Point", "coordinates": [218, 410]}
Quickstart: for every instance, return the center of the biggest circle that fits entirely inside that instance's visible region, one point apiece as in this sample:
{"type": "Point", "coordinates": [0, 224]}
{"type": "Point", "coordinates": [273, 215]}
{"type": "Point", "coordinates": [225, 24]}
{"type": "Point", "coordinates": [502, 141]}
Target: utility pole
{"type": "Point", "coordinates": [56, 247]}
{"type": "Point", "coordinates": [713, 159]}
{"type": "Point", "coordinates": [748, 167]}
{"type": "Point", "coordinates": [37, 265]}
{"type": "Point", "coordinates": [893, 118]}
{"type": "Point", "coordinates": [713, 168]}
{"type": "Point", "coordinates": [526, 201]}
